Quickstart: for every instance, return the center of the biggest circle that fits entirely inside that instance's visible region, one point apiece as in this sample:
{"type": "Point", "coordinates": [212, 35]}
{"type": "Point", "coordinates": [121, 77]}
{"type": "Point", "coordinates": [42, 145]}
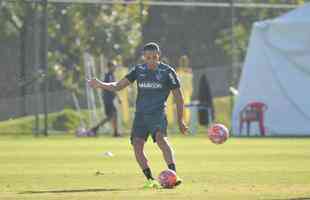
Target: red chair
{"type": "Point", "coordinates": [253, 112]}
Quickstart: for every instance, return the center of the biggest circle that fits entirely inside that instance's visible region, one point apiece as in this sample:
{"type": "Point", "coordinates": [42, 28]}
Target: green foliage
{"type": "Point", "coordinates": [245, 18]}
{"type": "Point", "coordinates": [11, 18]}
{"type": "Point", "coordinates": [74, 28]}
{"type": "Point", "coordinates": [110, 30]}
{"type": "Point", "coordinates": [17, 126]}
{"type": "Point", "coordinates": [67, 120]}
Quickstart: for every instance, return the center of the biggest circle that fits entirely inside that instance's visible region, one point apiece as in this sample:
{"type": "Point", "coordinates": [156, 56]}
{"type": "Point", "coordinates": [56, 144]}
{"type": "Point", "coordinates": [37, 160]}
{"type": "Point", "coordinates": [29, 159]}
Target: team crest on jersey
{"type": "Point", "coordinates": [158, 76]}
{"type": "Point", "coordinates": [142, 75]}
{"type": "Point", "coordinates": [142, 67]}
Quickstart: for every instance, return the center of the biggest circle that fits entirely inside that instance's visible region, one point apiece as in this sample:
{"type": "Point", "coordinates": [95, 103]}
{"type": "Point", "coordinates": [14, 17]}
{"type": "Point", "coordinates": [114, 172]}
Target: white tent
{"type": "Point", "coordinates": [276, 74]}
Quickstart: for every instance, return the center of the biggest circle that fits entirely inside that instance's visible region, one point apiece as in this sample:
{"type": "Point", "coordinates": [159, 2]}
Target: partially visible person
{"type": "Point", "coordinates": [206, 116]}
{"type": "Point", "coordinates": [109, 105]}
{"type": "Point", "coordinates": [186, 78]}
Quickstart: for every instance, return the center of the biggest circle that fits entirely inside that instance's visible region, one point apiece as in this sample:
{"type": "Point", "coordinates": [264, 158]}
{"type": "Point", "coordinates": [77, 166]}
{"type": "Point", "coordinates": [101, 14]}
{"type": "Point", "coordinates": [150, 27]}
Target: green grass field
{"type": "Point", "coordinates": [64, 167]}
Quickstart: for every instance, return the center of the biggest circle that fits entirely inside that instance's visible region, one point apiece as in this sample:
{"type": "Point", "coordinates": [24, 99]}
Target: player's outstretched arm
{"type": "Point", "coordinates": [178, 97]}
{"type": "Point", "coordinates": [112, 86]}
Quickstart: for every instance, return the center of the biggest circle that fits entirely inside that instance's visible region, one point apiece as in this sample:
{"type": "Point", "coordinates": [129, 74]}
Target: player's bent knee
{"type": "Point", "coordinates": [138, 142]}
{"type": "Point", "coordinates": [161, 139]}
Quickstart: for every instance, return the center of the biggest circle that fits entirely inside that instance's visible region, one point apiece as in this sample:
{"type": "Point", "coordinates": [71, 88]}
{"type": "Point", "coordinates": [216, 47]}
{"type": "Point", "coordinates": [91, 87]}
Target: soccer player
{"type": "Point", "coordinates": [155, 80]}
{"type": "Point", "coordinates": [108, 100]}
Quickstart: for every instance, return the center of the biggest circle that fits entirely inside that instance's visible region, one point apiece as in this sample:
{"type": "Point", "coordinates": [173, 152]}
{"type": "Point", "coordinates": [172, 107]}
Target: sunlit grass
{"type": "Point", "coordinates": [64, 167]}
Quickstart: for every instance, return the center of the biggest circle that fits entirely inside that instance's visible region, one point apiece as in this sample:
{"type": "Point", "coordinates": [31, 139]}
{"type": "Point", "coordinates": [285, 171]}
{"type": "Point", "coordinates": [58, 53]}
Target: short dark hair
{"type": "Point", "coordinates": [151, 46]}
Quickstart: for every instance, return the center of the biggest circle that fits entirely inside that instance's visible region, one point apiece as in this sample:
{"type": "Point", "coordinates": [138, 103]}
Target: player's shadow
{"type": "Point", "coordinates": [72, 191]}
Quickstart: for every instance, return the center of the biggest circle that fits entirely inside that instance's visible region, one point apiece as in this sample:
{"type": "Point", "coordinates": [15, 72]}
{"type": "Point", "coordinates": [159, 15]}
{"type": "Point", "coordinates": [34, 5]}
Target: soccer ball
{"type": "Point", "coordinates": [218, 133]}
{"type": "Point", "coordinates": [167, 178]}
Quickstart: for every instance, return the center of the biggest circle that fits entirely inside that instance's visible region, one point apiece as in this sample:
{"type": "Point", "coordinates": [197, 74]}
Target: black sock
{"type": "Point", "coordinates": [172, 167]}
{"type": "Point", "coordinates": [148, 174]}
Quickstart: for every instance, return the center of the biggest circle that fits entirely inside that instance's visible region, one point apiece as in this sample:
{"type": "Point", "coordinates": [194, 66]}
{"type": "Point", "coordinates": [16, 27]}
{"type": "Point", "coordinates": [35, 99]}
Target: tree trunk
{"type": "Point", "coordinates": [23, 39]}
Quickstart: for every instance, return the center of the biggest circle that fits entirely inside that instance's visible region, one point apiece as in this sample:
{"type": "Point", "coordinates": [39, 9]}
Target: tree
{"type": "Point", "coordinates": [75, 28]}
{"type": "Point", "coordinates": [15, 22]}
{"type": "Point", "coordinates": [110, 30]}
{"type": "Point", "coordinates": [245, 17]}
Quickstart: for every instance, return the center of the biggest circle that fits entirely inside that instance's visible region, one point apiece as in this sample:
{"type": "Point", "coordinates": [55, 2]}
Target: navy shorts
{"type": "Point", "coordinates": [109, 109]}
{"type": "Point", "coordinates": [149, 124]}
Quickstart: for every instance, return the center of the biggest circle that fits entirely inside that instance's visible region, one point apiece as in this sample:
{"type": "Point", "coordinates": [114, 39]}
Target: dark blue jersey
{"type": "Point", "coordinates": [153, 86]}
{"type": "Point", "coordinates": [108, 96]}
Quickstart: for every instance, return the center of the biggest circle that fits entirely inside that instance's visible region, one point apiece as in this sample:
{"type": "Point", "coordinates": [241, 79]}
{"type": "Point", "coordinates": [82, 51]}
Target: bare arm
{"type": "Point", "coordinates": [178, 98]}
{"type": "Point", "coordinates": [112, 86]}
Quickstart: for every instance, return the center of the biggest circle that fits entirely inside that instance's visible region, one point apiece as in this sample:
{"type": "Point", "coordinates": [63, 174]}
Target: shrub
{"type": "Point", "coordinates": [66, 120]}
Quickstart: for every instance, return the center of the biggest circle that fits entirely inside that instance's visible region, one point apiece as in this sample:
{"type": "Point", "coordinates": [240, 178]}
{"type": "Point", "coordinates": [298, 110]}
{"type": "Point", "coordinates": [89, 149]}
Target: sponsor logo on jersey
{"type": "Point", "coordinates": [150, 85]}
